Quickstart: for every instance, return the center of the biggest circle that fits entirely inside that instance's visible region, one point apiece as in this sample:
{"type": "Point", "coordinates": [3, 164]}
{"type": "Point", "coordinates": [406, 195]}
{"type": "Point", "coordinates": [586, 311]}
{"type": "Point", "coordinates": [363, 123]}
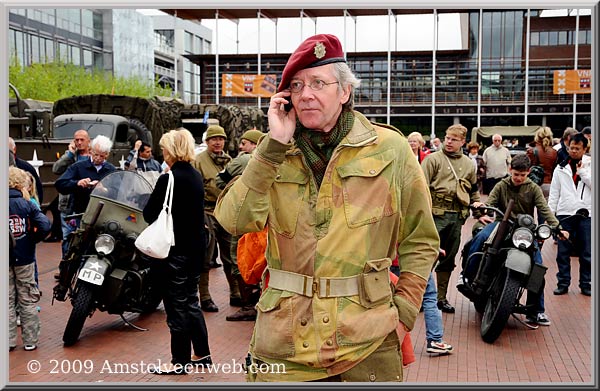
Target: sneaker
{"type": "Point", "coordinates": [30, 347]}
{"type": "Point", "coordinates": [543, 320]}
{"type": "Point", "coordinates": [539, 319]}
{"type": "Point", "coordinates": [440, 347]}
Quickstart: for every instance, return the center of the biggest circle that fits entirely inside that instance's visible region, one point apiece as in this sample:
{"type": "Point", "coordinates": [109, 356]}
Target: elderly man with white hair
{"type": "Point", "coordinates": [81, 177]}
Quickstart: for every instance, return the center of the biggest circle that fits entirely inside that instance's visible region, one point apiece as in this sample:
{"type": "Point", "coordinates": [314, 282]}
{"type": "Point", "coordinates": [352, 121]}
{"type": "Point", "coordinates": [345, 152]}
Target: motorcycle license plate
{"type": "Point", "coordinates": [92, 272]}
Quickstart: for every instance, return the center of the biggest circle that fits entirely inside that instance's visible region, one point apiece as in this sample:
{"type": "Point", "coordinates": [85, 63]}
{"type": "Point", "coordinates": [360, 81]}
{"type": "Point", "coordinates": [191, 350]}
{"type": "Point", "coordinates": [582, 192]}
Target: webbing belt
{"type": "Point", "coordinates": [309, 286]}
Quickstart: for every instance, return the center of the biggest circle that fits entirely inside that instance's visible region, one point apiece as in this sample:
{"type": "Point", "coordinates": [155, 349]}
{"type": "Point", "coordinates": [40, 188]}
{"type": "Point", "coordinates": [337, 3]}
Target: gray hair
{"type": "Point", "coordinates": [346, 77]}
{"type": "Point", "coordinates": [11, 144]}
{"type": "Point", "coordinates": [102, 143]}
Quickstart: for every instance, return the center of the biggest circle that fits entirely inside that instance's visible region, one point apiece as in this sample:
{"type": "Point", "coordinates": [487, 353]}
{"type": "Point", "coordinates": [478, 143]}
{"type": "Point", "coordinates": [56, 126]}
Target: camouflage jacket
{"type": "Point", "coordinates": [372, 204]}
{"type": "Point", "coordinates": [209, 170]}
{"type": "Point", "coordinates": [442, 183]}
{"type": "Point", "coordinates": [234, 168]}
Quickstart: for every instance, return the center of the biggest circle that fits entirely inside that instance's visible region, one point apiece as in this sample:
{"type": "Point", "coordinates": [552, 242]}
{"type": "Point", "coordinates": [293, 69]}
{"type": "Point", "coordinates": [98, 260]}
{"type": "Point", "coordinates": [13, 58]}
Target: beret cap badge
{"type": "Point", "coordinates": [320, 50]}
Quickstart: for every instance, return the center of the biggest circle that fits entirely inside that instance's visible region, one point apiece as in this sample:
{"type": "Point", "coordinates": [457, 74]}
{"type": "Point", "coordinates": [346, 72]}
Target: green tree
{"type": "Point", "coordinates": [56, 80]}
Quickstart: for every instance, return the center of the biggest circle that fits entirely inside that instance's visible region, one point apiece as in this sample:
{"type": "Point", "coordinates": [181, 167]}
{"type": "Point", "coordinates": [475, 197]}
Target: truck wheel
{"type": "Point", "coordinates": [82, 305]}
{"type": "Point", "coordinates": [141, 132]}
{"type": "Point", "coordinates": [499, 305]}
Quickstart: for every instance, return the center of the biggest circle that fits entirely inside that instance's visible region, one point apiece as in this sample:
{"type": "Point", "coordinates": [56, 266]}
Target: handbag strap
{"type": "Point", "coordinates": [168, 202]}
{"type": "Point", "coordinates": [537, 156]}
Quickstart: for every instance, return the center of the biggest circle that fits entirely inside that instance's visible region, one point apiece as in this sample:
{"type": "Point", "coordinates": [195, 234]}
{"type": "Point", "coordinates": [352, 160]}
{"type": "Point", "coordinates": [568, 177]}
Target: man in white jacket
{"type": "Point", "coordinates": [571, 190]}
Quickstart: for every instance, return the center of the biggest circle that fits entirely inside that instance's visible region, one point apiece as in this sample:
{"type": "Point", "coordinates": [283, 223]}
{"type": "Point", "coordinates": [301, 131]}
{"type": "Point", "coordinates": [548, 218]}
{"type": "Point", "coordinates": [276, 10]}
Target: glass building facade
{"type": "Point", "coordinates": [492, 84]}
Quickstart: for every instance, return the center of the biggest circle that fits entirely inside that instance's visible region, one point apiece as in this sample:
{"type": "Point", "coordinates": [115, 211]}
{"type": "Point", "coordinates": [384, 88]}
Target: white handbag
{"type": "Point", "coordinates": [156, 240]}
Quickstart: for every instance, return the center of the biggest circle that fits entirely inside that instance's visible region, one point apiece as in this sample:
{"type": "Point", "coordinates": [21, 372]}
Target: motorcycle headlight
{"type": "Point", "coordinates": [543, 231]}
{"type": "Point", "coordinates": [522, 237]}
{"type": "Point", "coordinates": [104, 244]}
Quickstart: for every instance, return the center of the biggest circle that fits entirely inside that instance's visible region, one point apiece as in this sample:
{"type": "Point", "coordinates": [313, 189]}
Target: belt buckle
{"type": "Point", "coordinates": [310, 286]}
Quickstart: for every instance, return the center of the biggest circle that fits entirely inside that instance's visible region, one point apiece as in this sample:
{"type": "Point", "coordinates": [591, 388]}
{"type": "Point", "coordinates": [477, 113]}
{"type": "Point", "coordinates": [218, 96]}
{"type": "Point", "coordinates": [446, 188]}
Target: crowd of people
{"type": "Point", "coordinates": [363, 225]}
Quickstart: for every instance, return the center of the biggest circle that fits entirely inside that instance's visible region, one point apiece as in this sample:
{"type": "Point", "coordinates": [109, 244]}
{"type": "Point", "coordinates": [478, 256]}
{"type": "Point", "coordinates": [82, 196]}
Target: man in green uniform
{"type": "Point", "coordinates": [341, 197]}
{"type": "Point", "coordinates": [234, 168]}
{"type": "Point", "coordinates": [452, 182]}
{"type": "Point", "coordinates": [210, 162]}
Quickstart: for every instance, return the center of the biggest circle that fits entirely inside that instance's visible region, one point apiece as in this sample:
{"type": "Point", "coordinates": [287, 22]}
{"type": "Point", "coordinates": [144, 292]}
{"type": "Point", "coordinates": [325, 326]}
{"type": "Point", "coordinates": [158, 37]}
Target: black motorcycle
{"type": "Point", "coordinates": [102, 269]}
{"type": "Point", "coordinates": [506, 268]}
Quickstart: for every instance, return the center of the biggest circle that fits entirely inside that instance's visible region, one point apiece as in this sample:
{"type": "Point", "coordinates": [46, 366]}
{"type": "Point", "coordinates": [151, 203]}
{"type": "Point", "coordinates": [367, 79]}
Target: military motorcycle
{"type": "Point", "coordinates": [102, 269]}
{"type": "Point", "coordinates": [506, 269]}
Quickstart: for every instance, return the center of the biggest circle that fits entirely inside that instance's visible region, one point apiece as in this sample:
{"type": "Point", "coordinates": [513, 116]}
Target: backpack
{"type": "Point", "coordinates": [536, 173]}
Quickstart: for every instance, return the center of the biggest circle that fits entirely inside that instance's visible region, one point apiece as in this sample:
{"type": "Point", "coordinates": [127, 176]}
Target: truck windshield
{"type": "Point", "coordinates": [66, 130]}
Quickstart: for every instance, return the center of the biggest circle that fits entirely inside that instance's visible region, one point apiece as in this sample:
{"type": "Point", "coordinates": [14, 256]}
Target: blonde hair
{"type": "Point", "coordinates": [458, 130]}
{"type": "Point", "coordinates": [543, 136]}
{"type": "Point", "coordinates": [179, 144]}
{"type": "Point", "coordinates": [31, 187]}
{"type": "Point", "coordinates": [17, 179]}
{"type": "Point", "coordinates": [418, 136]}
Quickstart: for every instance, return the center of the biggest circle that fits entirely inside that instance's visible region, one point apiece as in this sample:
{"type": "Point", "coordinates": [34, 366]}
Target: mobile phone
{"type": "Point", "coordinates": [288, 106]}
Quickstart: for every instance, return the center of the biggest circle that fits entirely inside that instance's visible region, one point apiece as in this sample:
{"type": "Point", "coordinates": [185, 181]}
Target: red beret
{"type": "Point", "coordinates": [315, 51]}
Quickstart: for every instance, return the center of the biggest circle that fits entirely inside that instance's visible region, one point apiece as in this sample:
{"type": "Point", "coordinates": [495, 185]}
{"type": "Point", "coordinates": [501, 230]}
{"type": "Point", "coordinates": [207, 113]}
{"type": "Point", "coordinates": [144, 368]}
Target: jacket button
{"type": "Point", "coordinates": [303, 322]}
{"type": "Point", "coordinates": [305, 344]}
{"type": "Point", "coordinates": [326, 319]}
{"type": "Point", "coordinates": [278, 176]}
{"type": "Point", "coordinates": [372, 172]}
{"type": "Point", "coordinates": [329, 342]}
{"type": "Point", "coordinates": [372, 377]}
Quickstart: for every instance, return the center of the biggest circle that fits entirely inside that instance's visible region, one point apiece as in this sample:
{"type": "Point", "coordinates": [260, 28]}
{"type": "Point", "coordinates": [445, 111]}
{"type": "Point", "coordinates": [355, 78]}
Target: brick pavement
{"type": "Point", "coordinates": [561, 353]}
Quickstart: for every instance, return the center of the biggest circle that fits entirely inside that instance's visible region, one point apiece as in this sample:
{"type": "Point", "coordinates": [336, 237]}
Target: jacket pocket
{"type": "Point", "coordinates": [367, 186]}
{"type": "Point", "coordinates": [273, 332]}
{"type": "Point", "coordinates": [358, 325]}
{"type": "Point", "coordinates": [287, 196]}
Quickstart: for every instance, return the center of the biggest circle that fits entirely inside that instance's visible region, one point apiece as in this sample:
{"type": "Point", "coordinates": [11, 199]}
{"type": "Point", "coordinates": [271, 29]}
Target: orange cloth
{"type": "Point", "coordinates": [408, 352]}
{"type": "Point", "coordinates": [251, 256]}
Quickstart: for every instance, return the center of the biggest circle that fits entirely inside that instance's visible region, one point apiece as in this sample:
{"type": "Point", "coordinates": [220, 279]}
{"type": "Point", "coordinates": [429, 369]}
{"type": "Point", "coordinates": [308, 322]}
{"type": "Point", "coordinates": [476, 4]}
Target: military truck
{"type": "Point", "coordinates": [42, 132]}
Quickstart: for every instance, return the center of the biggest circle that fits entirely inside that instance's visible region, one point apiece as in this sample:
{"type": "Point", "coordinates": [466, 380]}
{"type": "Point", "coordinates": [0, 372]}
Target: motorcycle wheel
{"type": "Point", "coordinates": [82, 304]}
{"type": "Point", "coordinates": [499, 305]}
{"type": "Point", "coordinates": [480, 305]}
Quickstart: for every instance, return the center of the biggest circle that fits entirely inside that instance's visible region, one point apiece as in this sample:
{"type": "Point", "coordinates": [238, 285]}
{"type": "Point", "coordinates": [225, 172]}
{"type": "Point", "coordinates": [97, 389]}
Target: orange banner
{"type": "Point", "coordinates": [573, 81]}
{"type": "Point", "coordinates": [235, 84]}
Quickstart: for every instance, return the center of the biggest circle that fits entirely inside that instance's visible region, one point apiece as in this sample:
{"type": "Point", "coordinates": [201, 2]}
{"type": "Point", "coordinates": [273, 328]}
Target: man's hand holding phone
{"type": "Point", "coordinates": [282, 122]}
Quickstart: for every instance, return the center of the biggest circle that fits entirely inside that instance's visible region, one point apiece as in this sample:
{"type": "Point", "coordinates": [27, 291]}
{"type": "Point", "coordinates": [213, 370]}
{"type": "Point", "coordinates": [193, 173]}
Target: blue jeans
{"type": "Point", "coordinates": [580, 233]}
{"type": "Point", "coordinates": [67, 228]}
{"type": "Point", "coordinates": [473, 265]}
{"type": "Point", "coordinates": [434, 329]}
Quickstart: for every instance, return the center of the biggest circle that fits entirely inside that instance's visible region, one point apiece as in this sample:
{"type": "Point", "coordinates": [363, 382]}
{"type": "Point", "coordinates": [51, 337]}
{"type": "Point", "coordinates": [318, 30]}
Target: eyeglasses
{"type": "Point", "coordinates": [101, 154]}
{"type": "Point", "coordinates": [315, 85]}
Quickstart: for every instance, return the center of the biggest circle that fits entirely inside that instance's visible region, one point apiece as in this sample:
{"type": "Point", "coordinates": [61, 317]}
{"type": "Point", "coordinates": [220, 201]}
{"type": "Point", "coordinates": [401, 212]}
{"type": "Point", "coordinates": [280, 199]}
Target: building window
{"type": "Point", "coordinates": [543, 38]}
{"type": "Point", "coordinates": [535, 39]}
{"type": "Point", "coordinates": [98, 60]}
{"type": "Point", "coordinates": [189, 42]}
{"type": "Point", "coordinates": [75, 55]}
{"type": "Point", "coordinates": [553, 38]}
{"type": "Point", "coordinates": [562, 37]}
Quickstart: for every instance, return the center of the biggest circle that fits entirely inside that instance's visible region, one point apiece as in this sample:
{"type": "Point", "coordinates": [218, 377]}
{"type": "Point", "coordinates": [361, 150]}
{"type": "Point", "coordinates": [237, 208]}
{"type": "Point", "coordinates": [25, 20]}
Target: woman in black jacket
{"type": "Point", "coordinates": [181, 269]}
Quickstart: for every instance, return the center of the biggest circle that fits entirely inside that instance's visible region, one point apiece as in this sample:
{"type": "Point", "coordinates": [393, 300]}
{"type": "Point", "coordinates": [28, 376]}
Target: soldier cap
{"type": "Point", "coordinates": [215, 131]}
{"type": "Point", "coordinates": [315, 51]}
{"type": "Point", "coordinates": [252, 135]}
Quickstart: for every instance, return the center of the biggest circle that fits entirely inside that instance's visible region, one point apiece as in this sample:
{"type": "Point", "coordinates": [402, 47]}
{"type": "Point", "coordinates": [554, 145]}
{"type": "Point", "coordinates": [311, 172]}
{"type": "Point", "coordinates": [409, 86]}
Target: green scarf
{"type": "Point", "coordinates": [317, 147]}
{"type": "Point", "coordinates": [453, 155]}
